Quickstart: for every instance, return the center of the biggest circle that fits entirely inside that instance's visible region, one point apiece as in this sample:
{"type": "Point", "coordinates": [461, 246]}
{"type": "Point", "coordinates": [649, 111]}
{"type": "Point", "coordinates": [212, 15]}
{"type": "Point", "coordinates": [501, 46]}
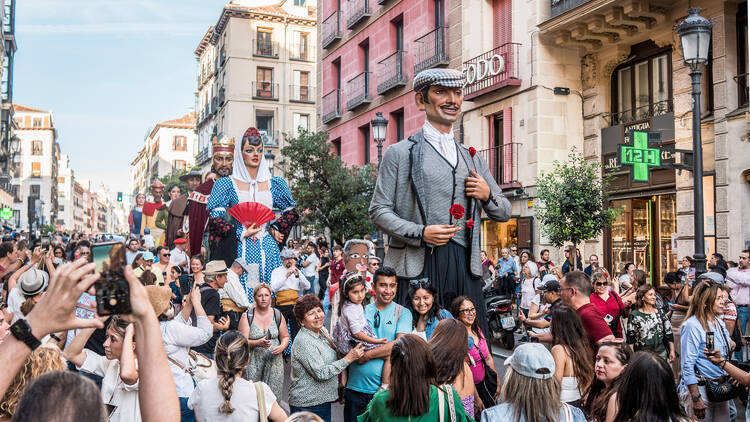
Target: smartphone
{"type": "Point", "coordinates": [186, 284]}
{"type": "Point", "coordinates": [710, 340]}
{"type": "Point", "coordinates": [112, 290]}
{"type": "Point", "coordinates": [45, 241]}
{"type": "Point", "coordinates": [268, 335]}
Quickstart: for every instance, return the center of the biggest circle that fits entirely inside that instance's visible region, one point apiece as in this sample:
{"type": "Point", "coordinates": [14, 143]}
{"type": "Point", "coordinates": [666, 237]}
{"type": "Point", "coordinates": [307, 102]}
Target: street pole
{"type": "Point", "coordinates": [700, 243]}
{"type": "Point", "coordinates": [379, 247]}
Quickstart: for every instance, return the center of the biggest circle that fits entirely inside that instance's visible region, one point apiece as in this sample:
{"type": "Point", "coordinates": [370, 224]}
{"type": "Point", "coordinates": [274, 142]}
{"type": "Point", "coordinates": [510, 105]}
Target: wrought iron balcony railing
{"type": "Point", "coordinates": [357, 11]}
{"type": "Point", "coordinates": [743, 94]}
{"type": "Point", "coordinates": [431, 50]}
{"type": "Point", "coordinates": [265, 90]}
{"type": "Point", "coordinates": [302, 94]}
{"type": "Point", "coordinates": [503, 163]}
{"type": "Point", "coordinates": [561, 6]}
{"type": "Point", "coordinates": [331, 29]}
{"type": "Point", "coordinates": [331, 107]}
{"type": "Point", "coordinates": [265, 48]}
{"type": "Point", "coordinates": [300, 51]}
{"type": "Point", "coordinates": [641, 113]}
{"type": "Point", "coordinates": [222, 96]}
{"type": "Point", "coordinates": [204, 156]}
{"type": "Point", "coordinates": [492, 70]}
{"type": "Point", "coordinates": [391, 72]}
{"type": "Point", "coordinates": [358, 91]}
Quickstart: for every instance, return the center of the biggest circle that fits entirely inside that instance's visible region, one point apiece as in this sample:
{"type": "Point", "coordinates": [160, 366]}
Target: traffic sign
{"type": "Point", "coordinates": [6, 214]}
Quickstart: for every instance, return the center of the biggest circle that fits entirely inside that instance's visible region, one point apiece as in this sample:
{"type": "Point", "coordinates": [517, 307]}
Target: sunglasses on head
{"type": "Point", "coordinates": [421, 282]}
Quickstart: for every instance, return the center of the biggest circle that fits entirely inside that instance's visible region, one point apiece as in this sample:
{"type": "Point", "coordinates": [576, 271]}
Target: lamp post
{"type": "Point", "coordinates": [379, 126]}
{"type": "Point", "coordinates": [270, 157]}
{"type": "Point", "coordinates": [695, 37]}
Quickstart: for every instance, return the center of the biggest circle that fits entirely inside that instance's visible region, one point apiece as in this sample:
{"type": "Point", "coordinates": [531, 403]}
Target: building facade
{"type": "Point", "coordinates": [369, 53]}
{"type": "Point", "coordinates": [65, 182]}
{"type": "Point", "coordinates": [79, 208]}
{"type": "Point", "coordinates": [36, 173]}
{"type": "Point", "coordinates": [7, 123]}
{"type": "Point", "coordinates": [263, 60]}
{"type": "Point", "coordinates": [169, 147]}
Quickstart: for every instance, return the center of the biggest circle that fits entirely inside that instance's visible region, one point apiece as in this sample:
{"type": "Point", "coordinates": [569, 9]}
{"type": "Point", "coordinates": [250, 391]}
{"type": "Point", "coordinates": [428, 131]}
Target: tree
{"type": "Point", "coordinates": [572, 202]}
{"type": "Point", "coordinates": [329, 193]}
{"type": "Point", "coordinates": [174, 179]}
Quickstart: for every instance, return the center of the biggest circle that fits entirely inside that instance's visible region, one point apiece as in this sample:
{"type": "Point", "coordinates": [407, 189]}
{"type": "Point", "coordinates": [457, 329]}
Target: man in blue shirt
{"type": "Point", "coordinates": [388, 320]}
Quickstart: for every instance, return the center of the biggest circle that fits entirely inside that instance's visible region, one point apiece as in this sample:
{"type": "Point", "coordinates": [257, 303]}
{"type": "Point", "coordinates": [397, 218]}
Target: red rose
{"type": "Point", "coordinates": [367, 278]}
{"type": "Point", "coordinates": [457, 211]}
{"type": "Point", "coordinates": [470, 224]}
{"type": "Point", "coordinates": [372, 292]}
{"type": "Point", "coordinates": [472, 151]}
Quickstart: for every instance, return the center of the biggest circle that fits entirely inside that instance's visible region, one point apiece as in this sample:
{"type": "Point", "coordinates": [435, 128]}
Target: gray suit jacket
{"type": "Point", "coordinates": [397, 206]}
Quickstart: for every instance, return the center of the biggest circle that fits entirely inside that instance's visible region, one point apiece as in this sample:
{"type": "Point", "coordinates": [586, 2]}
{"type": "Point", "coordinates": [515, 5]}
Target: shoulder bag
{"type": "Point", "coordinates": [448, 391]}
{"type": "Point", "coordinates": [200, 367]}
{"type": "Point", "coordinates": [261, 397]}
{"type": "Point", "coordinates": [721, 391]}
{"type": "Point", "coordinates": [488, 386]}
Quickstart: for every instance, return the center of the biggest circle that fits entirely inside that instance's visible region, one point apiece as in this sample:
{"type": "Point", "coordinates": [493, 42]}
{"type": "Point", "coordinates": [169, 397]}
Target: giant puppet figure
{"type": "Point", "coordinates": [221, 166]}
{"type": "Point", "coordinates": [418, 184]}
{"type": "Point", "coordinates": [251, 181]}
{"type": "Point", "coordinates": [136, 215]}
{"type": "Point", "coordinates": [150, 209]}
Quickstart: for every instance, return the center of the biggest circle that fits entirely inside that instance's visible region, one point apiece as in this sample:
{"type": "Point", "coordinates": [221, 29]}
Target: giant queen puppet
{"type": "Point", "coordinates": [251, 182]}
{"type": "Point", "coordinates": [422, 185]}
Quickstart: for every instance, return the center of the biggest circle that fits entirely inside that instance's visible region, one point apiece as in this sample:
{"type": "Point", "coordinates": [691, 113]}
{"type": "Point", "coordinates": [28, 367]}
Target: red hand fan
{"type": "Point", "coordinates": [249, 213]}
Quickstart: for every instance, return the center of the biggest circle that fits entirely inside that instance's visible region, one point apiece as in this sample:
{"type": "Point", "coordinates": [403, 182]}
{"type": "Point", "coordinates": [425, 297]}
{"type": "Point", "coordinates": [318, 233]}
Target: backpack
{"type": "Point", "coordinates": [250, 313]}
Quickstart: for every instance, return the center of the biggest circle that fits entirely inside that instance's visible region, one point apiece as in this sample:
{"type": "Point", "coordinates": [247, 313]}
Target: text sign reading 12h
{"type": "Point", "coordinates": [640, 156]}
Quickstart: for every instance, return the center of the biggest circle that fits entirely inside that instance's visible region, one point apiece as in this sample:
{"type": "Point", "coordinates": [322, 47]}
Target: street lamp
{"type": "Point", "coordinates": [379, 126]}
{"type": "Point", "coordinates": [695, 37]}
{"type": "Point", "coordinates": [15, 145]}
{"type": "Point", "coordinates": [270, 157]}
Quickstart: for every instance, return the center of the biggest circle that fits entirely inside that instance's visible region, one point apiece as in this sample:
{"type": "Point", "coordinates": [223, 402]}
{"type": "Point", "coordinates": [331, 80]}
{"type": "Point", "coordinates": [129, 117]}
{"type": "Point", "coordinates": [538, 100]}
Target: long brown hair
{"type": "Point", "coordinates": [701, 305]}
{"type": "Point", "coordinates": [413, 372]}
{"type": "Point", "coordinates": [449, 344]}
{"type": "Point", "coordinates": [567, 331]}
{"type": "Point", "coordinates": [232, 356]}
{"type": "Point", "coordinates": [641, 293]}
{"type": "Point", "coordinates": [597, 397]}
{"type": "Point", "coordinates": [347, 283]}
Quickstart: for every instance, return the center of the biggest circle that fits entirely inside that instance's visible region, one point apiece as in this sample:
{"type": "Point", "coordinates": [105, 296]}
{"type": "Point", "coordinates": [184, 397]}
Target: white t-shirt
{"type": "Point", "coordinates": [123, 397]}
{"type": "Point", "coordinates": [15, 300]}
{"type": "Point", "coordinates": [207, 398]}
{"type": "Point", "coordinates": [177, 256]}
{"type": "Point", "coordinates": [309, 271]}
{"type": "Point", "coordinates": [148, 241]}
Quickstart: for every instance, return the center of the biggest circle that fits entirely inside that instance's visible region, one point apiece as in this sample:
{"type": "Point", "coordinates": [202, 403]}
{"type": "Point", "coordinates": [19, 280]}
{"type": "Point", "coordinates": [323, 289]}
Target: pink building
{"type": "Point", "coordinates": [370, 52]}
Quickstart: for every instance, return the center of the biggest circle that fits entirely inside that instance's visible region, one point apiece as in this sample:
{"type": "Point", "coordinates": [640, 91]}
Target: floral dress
{"type": "Point", "coordinates": [265, 366]}
{"type": "Point", "coordinates": [649, 332]}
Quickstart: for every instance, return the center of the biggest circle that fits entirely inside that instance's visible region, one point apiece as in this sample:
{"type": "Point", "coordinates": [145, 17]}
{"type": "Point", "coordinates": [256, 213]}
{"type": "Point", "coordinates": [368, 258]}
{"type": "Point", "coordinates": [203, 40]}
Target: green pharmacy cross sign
{"type": "Point", "coordinates": [6, 214]}
{"type": "Point", "coordinates": [639, 155]}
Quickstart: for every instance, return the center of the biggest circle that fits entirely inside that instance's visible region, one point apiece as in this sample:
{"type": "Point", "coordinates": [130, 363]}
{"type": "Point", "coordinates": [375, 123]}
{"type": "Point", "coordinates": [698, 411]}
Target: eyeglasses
{"type": "Point", "coordinates": [85, 253]}
{"type": "Point", "coordinates": [468, 311]}
{"type": "Point", "coordinates": [376, 320]}
{"type": "Point", "coordinates": [419, 282]}
{"type": "Point", "coordinates": [166, 254]}
{"type": "Point", "coordinates": [600, 284]}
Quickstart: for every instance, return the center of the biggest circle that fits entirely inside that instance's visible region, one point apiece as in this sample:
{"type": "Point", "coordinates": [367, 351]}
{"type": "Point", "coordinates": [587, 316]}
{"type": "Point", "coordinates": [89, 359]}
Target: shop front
{"type": "Point", "coordinates": [496, 236]}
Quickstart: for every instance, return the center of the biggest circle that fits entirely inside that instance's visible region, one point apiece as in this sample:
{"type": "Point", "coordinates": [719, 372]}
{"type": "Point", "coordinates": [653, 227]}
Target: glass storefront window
{"type": "Point", "coordinates": [668, 234]}
{"type": "Point", "coordinates": [497, 236]}
{"type": "Point", "coordinates": [622, 251]}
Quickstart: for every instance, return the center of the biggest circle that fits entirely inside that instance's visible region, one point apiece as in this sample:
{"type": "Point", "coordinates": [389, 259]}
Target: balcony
{"type": "Point", "coordinates": [270, 137]}
{"type": "Point", "coordinates": [503, 163]}
{"type": "Point", "coordinates": [492, 70]}
{"type": "Point", "coordinates": [558, 7]}
{"type": "Point", "coordinates": [214, 105]}
{"type": "Point", "coordinates": [331, 29]}
{"type": "Point", "coordinates": [216, 67]}
{"type": "Point", "coordinates": [265, 90]}
{"type": "Point", "coordinates": [264, 48]}
{"type": "Point", "coordinates": [222, 57]}
{"type": "Point", "coordinates": [356, 12]}
{"type": "Point", "coordinates": [203, 156]}
{"type": "Point", "coordinates": [358, 91]}
{"type": "Point", "coordinates": [431, 50]}
{"type": "Point", "coordinates": [391, 72]}
{"type": "Point", "coordinates": [641, 113]}
{"type": "Point", "coordinates": [302, 94]}
{"type": "Point", "coordinates": [331, 107]}
{"type": "Point", "coordinates": [222, 96]}
{"type": "Point", "coordinates": [300, 51]}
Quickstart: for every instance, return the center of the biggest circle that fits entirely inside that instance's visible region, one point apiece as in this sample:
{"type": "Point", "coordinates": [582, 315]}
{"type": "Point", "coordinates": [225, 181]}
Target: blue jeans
{"type": "Point", "coordinates": [326, 303]}
{"type": "Point", "coordinates": [186, 415]}
{"type": "Point", "coordinates": [322, 410]}
{"type": "Point", "coordinates": [743, 314]}
{"type": "Point", "coordinates": [355, 404]}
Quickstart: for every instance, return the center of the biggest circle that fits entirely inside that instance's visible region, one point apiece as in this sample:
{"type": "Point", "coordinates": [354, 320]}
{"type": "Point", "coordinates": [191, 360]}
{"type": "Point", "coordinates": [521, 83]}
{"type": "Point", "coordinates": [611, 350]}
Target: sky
{"type": "Point", "coordinates": [109, 70]}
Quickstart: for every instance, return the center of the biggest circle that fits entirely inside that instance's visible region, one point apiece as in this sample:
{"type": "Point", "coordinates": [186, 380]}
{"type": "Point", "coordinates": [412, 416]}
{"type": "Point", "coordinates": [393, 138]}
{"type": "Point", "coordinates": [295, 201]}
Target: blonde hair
{"type": "Point", "coordinates": [46, 358]}
{"type": "Point", "coordinates": [232, 355]}
{"type": "Point", "coordinates": [538, 400]}
{"type": "Point", "coordinates": [259, 287]}
{"type": "Point", "coordinates": [557, 272]}
{"type": "Point", "coordinates": [599, 275]}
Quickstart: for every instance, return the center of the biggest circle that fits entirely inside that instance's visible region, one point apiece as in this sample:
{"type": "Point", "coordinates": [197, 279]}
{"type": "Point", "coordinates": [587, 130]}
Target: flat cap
{"type": "Point", "coordinates": [442, 77]}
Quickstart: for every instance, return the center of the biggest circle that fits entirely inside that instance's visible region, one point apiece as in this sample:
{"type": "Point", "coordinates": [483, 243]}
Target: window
{"type": "Point", "coordinates": [36, 191]}
{"type": "Point", "coordinates": [365, 131]}
{"type": "Point", "coordinates": [300, 2]}
{"type": "Point", "coordinates": [301, 91]}
{"type": "Point", "coordinates": [179, 143]}
{"type": "Point", "coordinates": [37, 122]}
{"type": "Point", "coordinates": [264, 82]}
{"type": "Point", "coordinates": [336, 146]}
{"type": "Point", "coordinates": [36, 169]}
{"type": "Point", "coordinates": [264, 123]}
{"type": "Point", "coordinates": [301, 45]}
{"type": "Point", "coordinates": [398, 118]}
{"type": "Point", "coordinates": [60, 179]}
{"type": "Point", "coordinates": [743, 97]}
{"type": "Point", "coordinates": [178, 165]}
{"type": "Point", "coordinates": [36, 147]}
{"type": "Point", "coordinates": [642, 88]}
{"type": "Point", "coordinates": [301, 121]}
{"type": "Point", "coordinates": [264, 42]}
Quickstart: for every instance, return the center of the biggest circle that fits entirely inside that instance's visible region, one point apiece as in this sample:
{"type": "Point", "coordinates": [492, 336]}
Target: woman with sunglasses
{"type": "Point", "coordinates": [607, 301]}
{"type": "Point", "coordinates": [425, 312]}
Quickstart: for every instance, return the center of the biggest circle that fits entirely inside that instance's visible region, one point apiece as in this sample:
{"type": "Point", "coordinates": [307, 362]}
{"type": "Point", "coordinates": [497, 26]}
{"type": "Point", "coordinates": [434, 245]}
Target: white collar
{"type": "Point", "coordinates": [444, 143]}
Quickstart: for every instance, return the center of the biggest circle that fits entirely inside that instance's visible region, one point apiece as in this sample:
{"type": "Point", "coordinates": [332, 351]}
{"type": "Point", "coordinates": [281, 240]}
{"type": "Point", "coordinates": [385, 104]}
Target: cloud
{"type": "Point", "coordinates": [130, 29]}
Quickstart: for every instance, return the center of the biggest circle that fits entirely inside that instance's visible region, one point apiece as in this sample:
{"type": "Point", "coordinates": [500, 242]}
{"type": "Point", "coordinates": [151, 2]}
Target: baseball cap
{"type": "Point", "coordinates": [713, 276]}
{"type": "Point", "coordinates": [147, 256]}
{"type": "Point", "coordinates": [532, 360]}
{"type": "Point", "coordinates": [550, 286]}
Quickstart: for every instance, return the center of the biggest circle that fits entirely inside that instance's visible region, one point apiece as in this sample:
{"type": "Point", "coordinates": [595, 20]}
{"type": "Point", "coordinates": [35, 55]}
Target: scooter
{"type": "Point", "coordinates": [500, 318]}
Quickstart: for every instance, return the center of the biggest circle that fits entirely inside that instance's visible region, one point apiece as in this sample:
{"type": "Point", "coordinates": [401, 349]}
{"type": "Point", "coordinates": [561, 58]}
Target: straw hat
{"type": "Point", "coordinates": [159, 296]}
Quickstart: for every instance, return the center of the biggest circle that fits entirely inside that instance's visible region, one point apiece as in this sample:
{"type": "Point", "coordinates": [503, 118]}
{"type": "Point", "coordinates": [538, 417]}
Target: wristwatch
{"type": "Point", "coordinates": [696, 398]}
{"type": "Point", "coordinates": [22, 331]}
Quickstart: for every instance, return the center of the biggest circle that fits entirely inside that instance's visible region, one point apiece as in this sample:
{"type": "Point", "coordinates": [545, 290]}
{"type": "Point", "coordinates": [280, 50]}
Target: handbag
{"type": "Point", "coordinates": [721, 391]}
{"type": "Point", "coordinates": [488, 386]}
{"type": "Point", "coordinates": [200, 366]}
{"type": "Point", "coordinates": [448, 391]}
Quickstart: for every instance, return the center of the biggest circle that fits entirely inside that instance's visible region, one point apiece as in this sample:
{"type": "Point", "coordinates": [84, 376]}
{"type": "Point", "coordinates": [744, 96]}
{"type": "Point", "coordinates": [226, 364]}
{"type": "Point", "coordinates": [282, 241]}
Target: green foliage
{"type": "Point", "coordinates": [572, 198]}
{"type": "Point", "coordinates": [48, 228]}
{"type": "Point", "coordinates": [329, 193]}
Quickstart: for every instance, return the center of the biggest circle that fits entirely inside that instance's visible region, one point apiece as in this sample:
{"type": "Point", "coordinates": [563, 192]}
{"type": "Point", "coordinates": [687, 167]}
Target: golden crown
{"type": "Point", "coordinates": [223, 146]}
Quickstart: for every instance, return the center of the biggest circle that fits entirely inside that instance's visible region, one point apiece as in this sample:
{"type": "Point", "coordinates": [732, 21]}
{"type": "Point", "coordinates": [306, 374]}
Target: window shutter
{"type": "Point", "coordinates": [503, 28]}
{"type": "Point", "coordinates": [524, 233]}
{"type": "Point", "coordinates": [507, 151]}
